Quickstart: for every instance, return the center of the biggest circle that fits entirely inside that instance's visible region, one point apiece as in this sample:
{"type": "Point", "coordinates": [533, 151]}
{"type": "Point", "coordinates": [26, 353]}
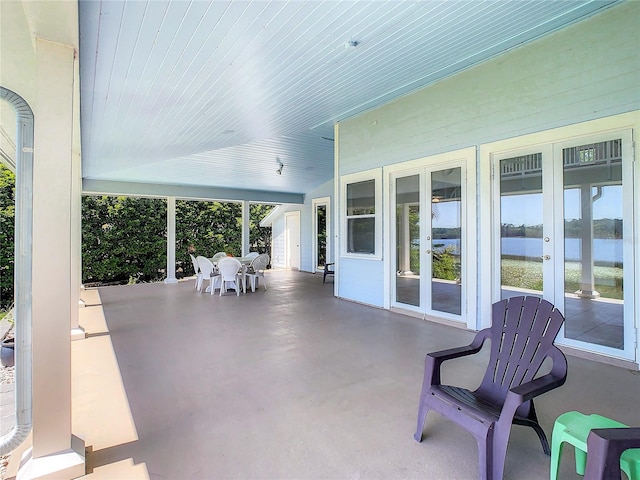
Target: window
{"type": "Point", "coordinates": [362, 214]}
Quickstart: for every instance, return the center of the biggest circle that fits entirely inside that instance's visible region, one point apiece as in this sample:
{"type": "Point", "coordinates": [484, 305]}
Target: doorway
{"type": "Point", "coordinates": [562, 214]}
{"type": "Point", "coordinates": [321, 233]}
{"type": "Point", "coordinates": [428, 231]}
{"type": "Point", "coordinates": [292, 240]}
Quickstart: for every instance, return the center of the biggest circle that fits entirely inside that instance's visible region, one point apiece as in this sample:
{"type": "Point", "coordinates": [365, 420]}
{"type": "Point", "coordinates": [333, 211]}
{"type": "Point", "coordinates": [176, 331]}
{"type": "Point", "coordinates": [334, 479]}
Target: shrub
{"type": "Point", "coordinates": [7, 229]}
{"type": "Point", "coordinates": [446, 263]}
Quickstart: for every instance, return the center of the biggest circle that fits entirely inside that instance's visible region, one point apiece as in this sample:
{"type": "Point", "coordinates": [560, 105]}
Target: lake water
{"type": "Point", "coordinates": [604, 249]}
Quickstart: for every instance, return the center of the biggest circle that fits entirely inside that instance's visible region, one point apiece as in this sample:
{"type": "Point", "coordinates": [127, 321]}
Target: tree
{"type": "Point", "coordinates": [205, 228]}
{"type": "Point", "coordinates": [124, 239]}
{"type": "Point", "coordinates": [260, 237]}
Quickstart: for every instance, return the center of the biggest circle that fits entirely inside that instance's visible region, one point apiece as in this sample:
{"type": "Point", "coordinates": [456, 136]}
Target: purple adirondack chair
{"type": "Point", "coordinates": [605, 446]}
{"type": "Point", "coordinates": [522, 335]}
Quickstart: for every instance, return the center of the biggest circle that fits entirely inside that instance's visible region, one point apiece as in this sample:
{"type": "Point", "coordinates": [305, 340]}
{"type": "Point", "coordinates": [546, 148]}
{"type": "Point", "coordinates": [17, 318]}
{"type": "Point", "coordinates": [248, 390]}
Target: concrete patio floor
{"type": "Point", "coordinates": [289, 383]}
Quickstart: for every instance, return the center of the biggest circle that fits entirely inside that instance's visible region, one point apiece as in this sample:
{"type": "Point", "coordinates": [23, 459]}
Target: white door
{"type": "Point", "coordinates": [292, 240]}
{"type": "Point", "coordinates": [429, 208]}
{"type": "Point", "coordinates": [563, 214]}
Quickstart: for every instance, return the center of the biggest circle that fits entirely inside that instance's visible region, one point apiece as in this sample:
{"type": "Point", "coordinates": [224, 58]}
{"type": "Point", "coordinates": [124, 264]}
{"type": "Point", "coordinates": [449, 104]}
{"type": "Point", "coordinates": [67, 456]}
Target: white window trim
{"type": "Point", "coordinates": [376, 175]}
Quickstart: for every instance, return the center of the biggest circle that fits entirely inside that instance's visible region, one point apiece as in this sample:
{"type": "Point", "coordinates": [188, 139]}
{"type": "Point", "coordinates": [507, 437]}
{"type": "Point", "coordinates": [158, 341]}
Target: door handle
{"type": "Point", "coordinates": [428, 252]}
{"type": "Point", "coordinates": [546, 257]}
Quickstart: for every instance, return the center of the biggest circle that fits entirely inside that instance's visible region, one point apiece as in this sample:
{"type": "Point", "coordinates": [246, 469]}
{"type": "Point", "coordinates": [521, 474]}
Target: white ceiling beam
{"type": "Point", "coordinates": [106, 187]}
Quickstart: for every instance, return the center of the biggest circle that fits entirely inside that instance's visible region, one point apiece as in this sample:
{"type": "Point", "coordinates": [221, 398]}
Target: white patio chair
{"type": "Point", "coordinates": [256, 269]}
{"type": "Point", "coordinates": [218, 256]}
{"type": "Point", "coordinates": [251, 255]}
{"type": "Point", "coordinates": [207, 271]}
{"type": "Point", "coordinates": [196, 268]}
{"type": "Point", "coordinates": [230, 271]}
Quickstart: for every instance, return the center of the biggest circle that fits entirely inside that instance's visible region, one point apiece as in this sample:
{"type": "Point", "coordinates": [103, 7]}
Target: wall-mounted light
{"type": "Point", "coordinates": [280, 167]}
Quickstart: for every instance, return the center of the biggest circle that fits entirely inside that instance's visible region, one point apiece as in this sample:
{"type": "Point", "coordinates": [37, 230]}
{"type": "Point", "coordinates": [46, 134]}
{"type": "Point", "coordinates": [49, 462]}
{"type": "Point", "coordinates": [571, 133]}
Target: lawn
{"type": "Point", "coordinates": [528, 274]}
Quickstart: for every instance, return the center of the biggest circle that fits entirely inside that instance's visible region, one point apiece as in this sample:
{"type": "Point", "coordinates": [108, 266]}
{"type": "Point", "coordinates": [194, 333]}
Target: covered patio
{"type": "Point", "coordinates": [288, 382]}
{"type": "Point", "coordinates": [314, 107]}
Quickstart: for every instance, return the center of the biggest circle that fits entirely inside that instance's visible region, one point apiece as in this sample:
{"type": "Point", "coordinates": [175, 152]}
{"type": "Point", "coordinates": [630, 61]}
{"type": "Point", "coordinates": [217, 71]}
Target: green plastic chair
{"type": "Point", "coordinates": [574, 428]}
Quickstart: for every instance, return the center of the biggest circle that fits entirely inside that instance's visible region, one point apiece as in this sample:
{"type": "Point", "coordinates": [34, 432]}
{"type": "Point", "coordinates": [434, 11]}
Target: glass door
{"type": "Point", "coordinates": [596, 192]}
{"type": "Point", "coordinates": [444, 241]}
{"type": "Point", "coordinates": [407, 240]}
{"type": "Point", "coordinates": [428, 237]}
{"type": "Point", "coordinates": [525, 249]}
{"type": "Point", "coordinates": [564, 213]}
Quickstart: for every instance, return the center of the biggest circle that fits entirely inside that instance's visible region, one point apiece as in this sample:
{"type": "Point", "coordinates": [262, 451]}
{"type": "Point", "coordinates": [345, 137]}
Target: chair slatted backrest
{"type": "Point", "coordinates": [218, 256]}
{"type": "Point", "coordinates": [522, 335]}
{"type": "Point", "coordinates": [194, 262]}
{"type": "Point", "coordinates": [260, 262]}
{"type": "Point", "coordinates": [229, 267]}
{"type": "Point", "coordinates": [206, 267]}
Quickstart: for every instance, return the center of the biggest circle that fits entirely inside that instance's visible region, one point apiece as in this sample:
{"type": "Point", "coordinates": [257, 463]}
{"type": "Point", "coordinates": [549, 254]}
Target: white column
{"type": "Point", "coordinates": [171, 241]}
{"type": "Point", "coordinates": [55, 452]}
{"type": "Point", "coordinates": [406, 240]}
{"type": "Point", "coordinates": [245, 227]}
{"type": "Point", "coordinates": [77, 332]}
{"type": "Point", "coordinates": [587, 284]}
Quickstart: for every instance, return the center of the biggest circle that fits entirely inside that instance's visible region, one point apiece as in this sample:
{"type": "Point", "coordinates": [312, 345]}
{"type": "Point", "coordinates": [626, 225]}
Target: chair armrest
{"type": "Point", "coordinates": [474, 347]}
{"type": "Point", "coordinates": [434, 360]}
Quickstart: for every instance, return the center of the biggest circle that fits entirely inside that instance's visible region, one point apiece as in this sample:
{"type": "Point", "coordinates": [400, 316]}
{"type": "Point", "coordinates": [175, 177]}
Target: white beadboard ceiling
{"type": "Point", "coordinates": [215, 94]}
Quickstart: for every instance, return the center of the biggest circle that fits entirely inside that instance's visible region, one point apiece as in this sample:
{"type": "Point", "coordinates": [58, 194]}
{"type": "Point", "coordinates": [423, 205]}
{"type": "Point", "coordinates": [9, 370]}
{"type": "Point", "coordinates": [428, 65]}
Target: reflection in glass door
{"type": "Point", "coordinates": [428, 247]}
{"type": "Point", "coordinates": [593, 244]}
{"type": "Point", "coordinates": [444, 242]}
{"type": "Point", "coordinates": [521, 226]}
{"type": "Point", "coordinates": [408, 240]}
{"type": "Point", "coordinates": [562, 222]}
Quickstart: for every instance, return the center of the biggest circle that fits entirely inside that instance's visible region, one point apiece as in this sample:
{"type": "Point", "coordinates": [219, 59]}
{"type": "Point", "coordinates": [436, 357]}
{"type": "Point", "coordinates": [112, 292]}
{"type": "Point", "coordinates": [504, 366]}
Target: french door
{"type": "Point", "coordinates": [563, 224]}
{"type": "Point", "coordinates": [428, 210]}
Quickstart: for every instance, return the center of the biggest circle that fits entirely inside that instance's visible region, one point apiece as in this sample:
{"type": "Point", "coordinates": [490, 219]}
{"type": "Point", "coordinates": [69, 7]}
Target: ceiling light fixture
{"type": "Point", "coordinates": [349, 44]}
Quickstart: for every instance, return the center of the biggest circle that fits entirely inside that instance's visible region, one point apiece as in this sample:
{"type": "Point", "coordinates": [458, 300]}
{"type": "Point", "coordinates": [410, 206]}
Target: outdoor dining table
{"type": "Point", "coordinates": [245, 262]}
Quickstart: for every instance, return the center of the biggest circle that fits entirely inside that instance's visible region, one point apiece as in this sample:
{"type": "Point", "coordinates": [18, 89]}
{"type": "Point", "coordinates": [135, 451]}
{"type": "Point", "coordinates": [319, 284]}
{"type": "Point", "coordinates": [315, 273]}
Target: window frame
{"type": "Point", "coordinates": [350, 179]}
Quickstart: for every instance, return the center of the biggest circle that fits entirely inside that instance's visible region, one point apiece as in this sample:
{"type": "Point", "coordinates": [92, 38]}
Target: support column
{"type": "Point", "coordinates": [171, 241]}
{"type": "Point", "coordinates": [55, 452]}
{"type": "Point", "coordinates": [77, 332]}
{"type": "Point", "coordinates": [587, 283]}
{"type": "Point", "coordinates": [246, 216]}
{"type": "Point", "coordinates": [406, 240]}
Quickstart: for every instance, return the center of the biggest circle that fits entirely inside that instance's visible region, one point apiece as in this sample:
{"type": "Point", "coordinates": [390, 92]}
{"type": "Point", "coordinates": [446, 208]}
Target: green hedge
{"type": "Point", "coordinates": [124, 239]}
{"type": "Point", "coordinates": [7, 215]}
{"type": "Point", "coordinates": [205, 228]}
